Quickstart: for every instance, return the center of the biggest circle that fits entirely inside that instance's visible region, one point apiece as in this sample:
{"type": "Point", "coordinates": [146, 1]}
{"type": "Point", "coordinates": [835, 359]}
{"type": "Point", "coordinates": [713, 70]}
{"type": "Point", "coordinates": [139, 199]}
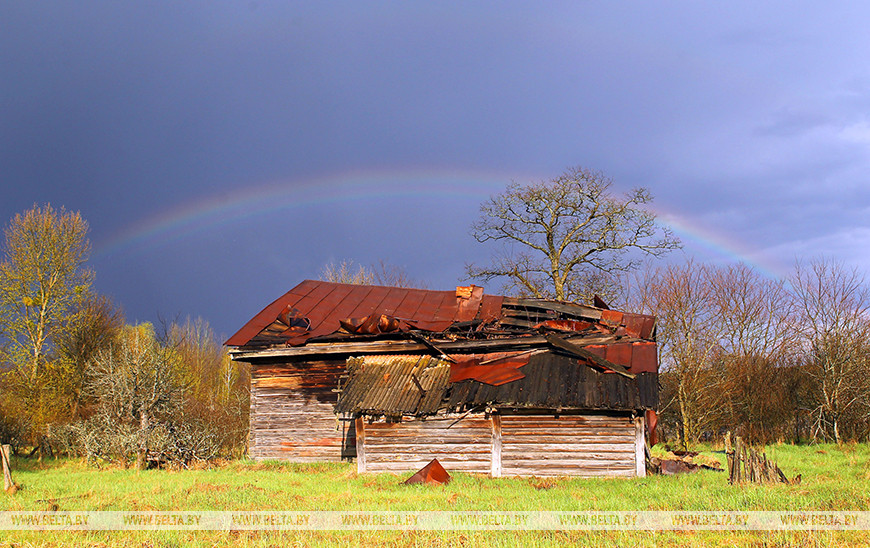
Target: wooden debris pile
{"type": "Point", "coordinates": [747, 464]}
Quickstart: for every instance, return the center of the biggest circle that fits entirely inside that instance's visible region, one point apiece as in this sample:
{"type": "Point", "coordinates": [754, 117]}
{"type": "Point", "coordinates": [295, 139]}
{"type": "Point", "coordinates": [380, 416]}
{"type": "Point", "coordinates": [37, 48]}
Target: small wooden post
{"type": "Point", "coordinates": [729, 457]}
{"type": "Point", "coordinates": [5, 451]}
{"type": "Point", "coordinates": [360, 445]}
{"type": "Point", "coordinates": [495, 462]}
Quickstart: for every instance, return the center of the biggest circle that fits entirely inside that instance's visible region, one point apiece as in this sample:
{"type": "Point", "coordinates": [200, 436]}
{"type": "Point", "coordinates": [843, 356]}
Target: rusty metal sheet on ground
{"type": "Point", "coordinates": [433, 473]}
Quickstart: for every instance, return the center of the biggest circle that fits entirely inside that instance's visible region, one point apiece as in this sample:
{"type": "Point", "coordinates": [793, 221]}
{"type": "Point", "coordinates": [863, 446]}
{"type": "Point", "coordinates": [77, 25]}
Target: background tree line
{"type": "Point", "coordinates": [772, 359]}
{"type": "Point", "coordinates": [75, 378]}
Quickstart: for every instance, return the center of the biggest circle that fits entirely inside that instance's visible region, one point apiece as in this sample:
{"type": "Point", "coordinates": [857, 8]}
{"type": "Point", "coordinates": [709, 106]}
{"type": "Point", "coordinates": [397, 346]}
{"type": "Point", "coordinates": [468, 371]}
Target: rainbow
{"type": "Point", "coordinates": [258, 200]}
{"type": "Point", "coordinates": [719, 247]}
{"type": "Point", "coordinates": [473, 187]}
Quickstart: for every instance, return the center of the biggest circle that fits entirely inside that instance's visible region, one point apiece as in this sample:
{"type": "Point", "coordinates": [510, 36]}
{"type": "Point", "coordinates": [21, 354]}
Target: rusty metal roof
{"type": "Point", "coordinates": [317, 310]}
{"type": "Point", "coordinates": [323, 306]}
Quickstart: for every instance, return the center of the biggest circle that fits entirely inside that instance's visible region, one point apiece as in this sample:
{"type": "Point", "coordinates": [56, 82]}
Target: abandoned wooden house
{"type": "Point", "coordinates": [395, 377]}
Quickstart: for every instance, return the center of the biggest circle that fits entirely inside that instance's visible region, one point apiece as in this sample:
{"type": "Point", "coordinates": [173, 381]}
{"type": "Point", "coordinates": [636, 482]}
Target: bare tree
{"type": "Point", "coordinates": [756, 338]}
{"type": "Point", "coordinates": [680, 297]}
{"type": "Point", "coordinates": [833, 303]}
{"type": "Point", "coordinates": [136, 384]}
{"type": "Point", "coordinates": [566, 236]}
{"type": "Point", "coordinates": [382, 273]}
{"type": "Point", "coordinates": [217, 395]}
{"type": "Point", "coordinates": [347, 273]}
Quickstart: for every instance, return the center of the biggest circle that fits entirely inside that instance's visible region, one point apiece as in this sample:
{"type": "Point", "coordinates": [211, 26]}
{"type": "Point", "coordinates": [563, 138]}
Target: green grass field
{"type": "Point", "coordinates": [833, 478]}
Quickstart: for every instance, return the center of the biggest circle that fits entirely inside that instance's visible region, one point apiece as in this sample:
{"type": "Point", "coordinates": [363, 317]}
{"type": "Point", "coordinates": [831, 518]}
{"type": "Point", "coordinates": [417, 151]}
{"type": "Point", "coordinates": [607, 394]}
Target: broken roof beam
{"type": "Point", "coordinates": [513, 322]}
{"type": "Point", "coordinates": [428, 344]}
{"type": "Point", "coordinates": [580, 352]}
{"type": "Point", "coordinates": [407, 347]}
{"type": "Point", "coordinates": [577, 310]}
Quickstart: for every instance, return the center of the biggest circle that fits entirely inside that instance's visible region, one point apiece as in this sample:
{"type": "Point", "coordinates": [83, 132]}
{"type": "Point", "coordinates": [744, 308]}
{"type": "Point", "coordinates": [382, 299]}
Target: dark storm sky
{"type": "Point", "coordinates": [224, 151]}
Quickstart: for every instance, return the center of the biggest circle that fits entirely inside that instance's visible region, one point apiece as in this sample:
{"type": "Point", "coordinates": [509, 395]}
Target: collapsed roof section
{"type": "Point", "coordinates": [418, 352]}
{"type": "Point", "coordinates": [419, 386]}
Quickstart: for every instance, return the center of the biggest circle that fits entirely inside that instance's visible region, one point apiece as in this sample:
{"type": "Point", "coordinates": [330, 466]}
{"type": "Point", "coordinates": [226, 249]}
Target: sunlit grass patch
{"type": "Point", "coordinates": [833, 478]}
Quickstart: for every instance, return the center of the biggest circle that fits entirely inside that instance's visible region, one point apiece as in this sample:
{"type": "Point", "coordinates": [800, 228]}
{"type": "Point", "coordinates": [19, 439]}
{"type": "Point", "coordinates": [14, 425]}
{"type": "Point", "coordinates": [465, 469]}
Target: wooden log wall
{"type": "Point", "coordinates": [568, 445]}
{"type": "Point", "coordinates": [292, 415]}
{"type": "Point", "coordinates": [460, 443]}
{"type": "Point", "coordinates": [507, 445]}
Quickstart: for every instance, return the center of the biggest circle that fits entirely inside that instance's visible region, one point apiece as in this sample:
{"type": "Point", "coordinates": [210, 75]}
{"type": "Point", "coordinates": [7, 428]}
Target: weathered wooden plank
{"type": "Point", "coordinates": [317, 416]}
{"type": "Point", "coordinates": [287, 457]}
{"type": "Point", "coordinates": [617, 453]}
{"type": "Point", "coordinates": [411, 444]}
{"type": "Point", "coordinates": [529, 443]}
{"type": "Point", "coordinates": [572, 472]}
{"type": "Point", "coordinates": [431, 426]}
{"type": "Point", "coordinates": [293, 431]}
{"type": "Point", "coordinates": [399, 432]}
{"type": "Point", "coordinates": [402, 468]}
{"type": "Point", "coordinates": [506, 417]}
{"type": "Point", "coordinates": [403, 452]}
{"type": "Point", "coordinates": [589, 459]}
{"type": "Point", "coordinates": [297, 444]}
{"type": "Point", "coordinates": [563, 424]}
{"type": "Point", "coordinates": [436, 441]}
{"type": "Point", "coordinates": [5, 455]}
{"type": "Point", "coordinates": [371, 459]}
{"type": "Point", "coordinates": [531, 449]}
{"type": "Point", "coordinates": [586, 438]}
{"type": "Point", "coordinates": [298, 452]}
{"type": "Point", "coordinates": [533, 465]}
{"type": "Point", "coordinates": [293, 428]}
{"type": "Point", "coordinates": [410, 467]}
{"type": "Point", "coordinates": [576, 310]}
{"type": "Point", "coordinates": [568, 425]}
{"type": "Point", "coordinates": [451, 421]}
{"type": "Point", "coordinates": [516, 322]}
{"type": "Point", "coordinates": [576, 445]}
{"type": "Point", "coordinates": [568, 431]}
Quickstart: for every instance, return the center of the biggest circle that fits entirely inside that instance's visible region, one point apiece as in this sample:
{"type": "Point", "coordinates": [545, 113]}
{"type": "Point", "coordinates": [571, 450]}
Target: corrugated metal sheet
{"type": "Point", "coordinates": [382, 385]}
